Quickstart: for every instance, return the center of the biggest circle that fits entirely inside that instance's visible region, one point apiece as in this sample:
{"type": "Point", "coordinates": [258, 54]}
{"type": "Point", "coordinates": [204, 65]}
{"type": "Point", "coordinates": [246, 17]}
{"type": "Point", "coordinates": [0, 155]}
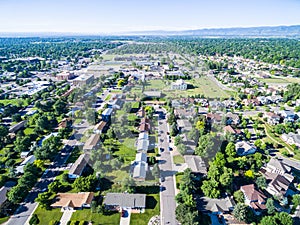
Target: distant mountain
{"type": "Point", "coordinates": [278, 31]}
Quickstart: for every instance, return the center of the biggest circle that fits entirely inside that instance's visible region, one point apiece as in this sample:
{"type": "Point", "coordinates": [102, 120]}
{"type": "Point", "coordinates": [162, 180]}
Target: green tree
{"type": "Point", "coordinates": [226, 177]}
{"type": "Point", "coordinates": [270, 206]}
{"type": "Point", "coordinates": [296, 200]}
{"type": "Point", "coordinates": [34, 220]}
{"type": "Point", "coordinates": [210, 189]}
{"type": "Point", "coordinates": [186, 215]}
{"type": "Point", "coordinates": [268, 220]}
{"type": "Point", "coordinates": [230, 150]}
{"type": "Point", "coordinates": [240, 212]}
{"type": "Point", "coordinates": [82, 184]}
{"type": "Point", "coordinates": [239, 196]}
{"type": "Point", "coordinates": [261, 182]}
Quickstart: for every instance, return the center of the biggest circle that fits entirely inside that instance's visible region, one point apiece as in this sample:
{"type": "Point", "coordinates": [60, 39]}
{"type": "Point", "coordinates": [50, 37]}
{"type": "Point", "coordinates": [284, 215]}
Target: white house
{"type": "Point", "coordinates": [179, 85]}
{"type": "Point", "coordinates": [244, 148]}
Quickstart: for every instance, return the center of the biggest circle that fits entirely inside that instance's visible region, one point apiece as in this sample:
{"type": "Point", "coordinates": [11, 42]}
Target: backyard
{"type": "Point", "coordinates": [96, 218]}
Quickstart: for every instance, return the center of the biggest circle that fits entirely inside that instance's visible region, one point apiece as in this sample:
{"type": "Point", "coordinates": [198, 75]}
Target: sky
{"type": "Point", "coordinates": [109, 16]}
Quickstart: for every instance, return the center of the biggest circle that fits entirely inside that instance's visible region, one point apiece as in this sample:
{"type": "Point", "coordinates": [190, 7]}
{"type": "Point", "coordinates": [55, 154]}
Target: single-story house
{"type": "Point", "coordinates": [3, 191]}
{"type": "Point", "coordinates": [291, 138]}
{"type": "Point", "coordinates": [78, 167]}
{"type": "Point", "coordinates": [272, 118]}
{"type": "Point", "coordinates": [232, 119]}
{"type": "Point", "coordinates": [215, 206]}
{"type": "Point", "coordinates": [71, 201]}
{"type": "Point", "coordinates": [276, 166]}
{"type": "Point", "coordinates": [244, 148]}
{"type": "Point", "coordinates": [17, 127]}
{"type": "Point", "coordinates": [184, 125]}
{"type": "Point", "coordinates": [100, 127]}
{"type": "Point", "coordinates": [139, 167]}
{"type": "Point", "coordinates": [28, 160]}
{"type": "Point", "coordinates": [116, 201]}
{"type": "Point", "coordinates": [196, 164]}
{"type": "Point", "coordinates": [92, 143]}
{"type": "Point", "coordinates": [142, 145]}
{"type": "Point", "coordinates": [231, 130]}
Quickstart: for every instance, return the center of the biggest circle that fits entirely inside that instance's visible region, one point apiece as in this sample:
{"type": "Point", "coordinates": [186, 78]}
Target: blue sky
{"type": "Point", "coordinates": [104, 16]}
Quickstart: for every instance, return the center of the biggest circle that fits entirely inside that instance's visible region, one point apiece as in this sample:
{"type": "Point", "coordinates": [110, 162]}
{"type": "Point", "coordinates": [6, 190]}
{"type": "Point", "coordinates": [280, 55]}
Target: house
{"type": "Point", "coordinates": [232, 119]}
{"type": "Point", "coordinates": [229, 129]}
{"type": "Point", "coordinates": [143, 135]}
{"type": "Point", "coordinates": [139, 167]}
{"type": "Point", "coordinates": [79, 166]}
{"type": "Point", "coordinates": [184, 125]}
{"type": "Point", "coordinates": [117, 201]}
{"type": "Point", "coordinates": [27, 160]}
{"type": "Point", "coordinates": [276, 166]}
{"type": "Point", "coordinates": [216, 105]}
{"type": "Point", "coordinates": [115, 103]}
{"type": "Point", "coordinates": [196, 164]}
{"type": "Point", "coordinates": [278, 185]}
{"type": "Point", "coordinates": [64, 123]}
{"type": "Point", "coordinates": [287, 115]}
{"type": "Point", "coordinates": [17, 127]}
{"type": "Point", "coordinates": [83, 80]}
{"type": "Point", "coordinates": [189, 144]}
{"type": "Point", "coordinates": [248, 102]}
{"type": "Point", "coordinates": [291, 138]}
{"type": "Point", "coordinates": [92, 143]}
{"type": "Point", "coordinates": [106, 115]}
{"type": "Point", "coordinates": [65, 75]}
{"type": "Point", "coordinates": [142, 145]}
{"type": "Point", "coordinates": [71, 201]}
{"type": "Point", "coordinates": [100, 127]}
{"type": "Point", "coordinates": [185, 113]}
{"type": "Point", "coordinates": [272, 118]}
{"type": "Point", "coordinates": [244, 148]}
{"type": "Point", "coordinates": [3, 193]}
{"type": "Point", "coordinates": [214, 118]}
{"type": "Point", "coordinates": [179, 85]}
{"type": "Point", "coordinates": [215, 206]}
{"type": "Point", "coordinates": [24, 154]}
{"type": "Point", "coordinates": [254, 198]}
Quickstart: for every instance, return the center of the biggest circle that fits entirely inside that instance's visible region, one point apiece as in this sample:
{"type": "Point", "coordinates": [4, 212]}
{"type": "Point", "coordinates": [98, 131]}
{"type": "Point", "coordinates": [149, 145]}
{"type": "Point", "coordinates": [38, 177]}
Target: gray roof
{"type": "Point", "coordinates": [125, 200]}
{"type": "Point", "coordinates": [141, 157]}
{"type": "Point", "coordinates": [279, 165]}
{"type": "Point", "coordinates": [216, 205]}
{"type": "Point", "coordinates": [142, 144]}
{"type": "Point", "coordinates": [139, 170]}
{"type": "Point", "coordinates": [195, 163]}
{"type": "Point", "coordinates": [7, 186]}
{"type": "Point", "coordinates": [79, 164]}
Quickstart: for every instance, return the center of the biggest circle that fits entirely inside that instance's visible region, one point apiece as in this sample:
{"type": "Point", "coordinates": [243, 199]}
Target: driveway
{"type": "Point", "coordinates": [66, 216]}
{"type": "Point", "coordinates": [125, 220]}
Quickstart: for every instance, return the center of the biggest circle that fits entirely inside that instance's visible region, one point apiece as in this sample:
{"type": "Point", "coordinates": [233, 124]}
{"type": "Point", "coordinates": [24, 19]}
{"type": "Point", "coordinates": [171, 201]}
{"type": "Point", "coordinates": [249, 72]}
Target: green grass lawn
{"type": "Point", "coordinates": [96, 218]}
{"type": "Point", "coordinates": [45, 216]}
{"type": "Point", "coordinates": [107, 97]}
{"type": "Point", "coordinates": [4, 219]}
{"type": "Point", "coordinates": [127, 149]}
{"type": "Point", "coordinates": [155, 85]}
{"type": "Point", "coordinates": [178, 177]}
{"type": "Point", "coordinates": [12, 101]}
{"type": "Point", "coordinates": [28, 130]}
{"type": "Point", "coordinates": [152, 209]}
{"type": "Point", "coordinates": [203, 86]}
{"type": "Point", "coordinates": [178, 159]}
{"type": "Point", "coordinates": [274, 80]}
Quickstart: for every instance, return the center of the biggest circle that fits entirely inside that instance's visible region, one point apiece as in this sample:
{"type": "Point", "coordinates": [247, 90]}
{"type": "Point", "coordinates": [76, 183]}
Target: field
{"type": "Point", "coordinates": [281, 80]}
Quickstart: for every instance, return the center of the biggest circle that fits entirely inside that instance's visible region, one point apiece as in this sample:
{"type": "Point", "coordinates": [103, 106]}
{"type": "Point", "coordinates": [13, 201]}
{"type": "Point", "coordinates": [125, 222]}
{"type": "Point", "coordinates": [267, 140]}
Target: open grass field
{"type": "Point", "coordinates": [281, 80]}
{"type": "Point", "coordinates": [96, 218]}
{"type": "Point", "coordinates": [203, 86]}
{"type": "Point", "coordinates": [156, 85]}
{"type": "Point", "coordinates": [45, 216]}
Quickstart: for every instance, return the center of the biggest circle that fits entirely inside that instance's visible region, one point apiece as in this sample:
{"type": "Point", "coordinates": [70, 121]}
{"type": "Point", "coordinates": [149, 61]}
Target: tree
{"type": "Point", "coordinates": [177, 140]}
{"type": "Point", "coordinates": [268, 220]}
{"type": "Point", "coordinates": [16, 117]}
{"type": "Point", "coordinates": [193, 134]}
{"type": "Point", "coordinates": [60, 107]}
{"type": "Point", "coordinates": [174, 130]}
{"type": "Point", "coordinates": [128, 184]}
{"type": "Point", "coordinates": [249, 174]}
{"type": "Point", "coordinates": [82, 184]}
{"type": "Point", "coordinates": [181, 148]}
{"type": "Point", "coordinates": [42, 123]}
{"type": "Point", "coordinates": [55, 186]}
{"type": "Point", "coordinates": [43, 199]}
{"type": "Point", "coordinates": [261, 182]}
{"type": "Point", "coordinates": [3, 133]}
{"type": "Point", "coordinates": [34, 220]}
{"type": "Point", "coordinates": [210, 188]}
{"type": "Point", "coordinates": [155, 171]}
{"type": "Point", "coordinates": [283, 218]}
{"type": "Point", "coordinates": [296, 200]}
{"type": "Point", "coordinates": [240, 212]}
{"type": "Point", "coordinates": [205, 145]}
{"type": "Point", "coordinates": [270, 206]}
{"type": "Point", "coordinates": [239, 196]}
{"type": "Point", "coordinates": [226, 177]}
{"type": "Point", "coordinates": [230, 150]}
{"type": "Point", "coordinates": [22, 143]}
{"type": "Point", "coordinates": [186, 215]}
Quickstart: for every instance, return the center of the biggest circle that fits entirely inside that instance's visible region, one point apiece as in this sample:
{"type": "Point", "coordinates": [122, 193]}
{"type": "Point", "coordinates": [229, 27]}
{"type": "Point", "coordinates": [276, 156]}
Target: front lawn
{"type": "Point", "coordinates": [96, 218]}
{"type": "Point", "coordinates": [45, 216]}
{"type": "Point", "coordinates": [178, 159]}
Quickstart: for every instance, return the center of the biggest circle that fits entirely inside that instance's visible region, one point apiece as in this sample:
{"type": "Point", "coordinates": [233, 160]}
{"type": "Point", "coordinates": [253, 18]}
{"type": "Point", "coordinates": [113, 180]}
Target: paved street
{"type": "Point", "coordinates": [167, 193]}
{"type": "Point", "coordinates": [28, 206]}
